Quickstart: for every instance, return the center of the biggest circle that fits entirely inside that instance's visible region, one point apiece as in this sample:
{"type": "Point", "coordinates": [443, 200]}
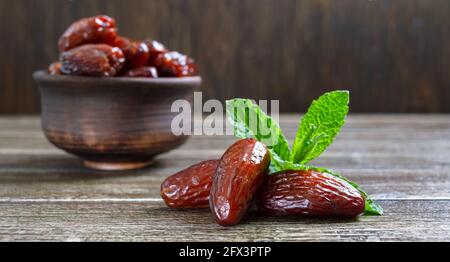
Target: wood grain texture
{"type": "Point", "coordinates": [401, 160]}
{"type": "Point", "coordinates": [393, 55]}
{"type": "Point", "coordinates": [149, 221]}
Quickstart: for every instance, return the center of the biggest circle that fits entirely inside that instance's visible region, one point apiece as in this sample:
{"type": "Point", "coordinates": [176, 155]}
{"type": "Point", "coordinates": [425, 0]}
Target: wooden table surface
{"type": "Point", "coordinates": [403, 161]}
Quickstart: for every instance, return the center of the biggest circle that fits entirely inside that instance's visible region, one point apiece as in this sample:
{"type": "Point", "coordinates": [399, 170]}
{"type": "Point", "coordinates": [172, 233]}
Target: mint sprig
{"type": "Point", "coordinates": [319, 126]}
{"type": "Point", "coordinates": [317, 130]}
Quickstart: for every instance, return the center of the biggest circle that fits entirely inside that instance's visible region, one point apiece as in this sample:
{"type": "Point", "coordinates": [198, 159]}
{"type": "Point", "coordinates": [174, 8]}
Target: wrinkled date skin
{"type": "Point", "coordinates": [190, 187]}
{"type": "Point", "coordinates": [92, 60]}
{"type": "Point", "coordinates": [90, 30]}
{"type": "Point", "coordinates": [174, 64]}
{"type": "Point", "coordinates": [55, 68]}
{"type": "Point", "coordinates": [240, 173]}
{"type": "Point", "coordinates": [145, 71]}
{"type": "Point", "coordinates": [136, 53]}
{"type": "Point", "coordinates": [309, 193]}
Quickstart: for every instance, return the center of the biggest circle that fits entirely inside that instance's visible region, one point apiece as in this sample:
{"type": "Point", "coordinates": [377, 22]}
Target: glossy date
{"type": "Point", "coordinates": [309, 193]}
{"type": "Point", "coordinates": [90, 30]}
{"type": "Point", "coordinates": [240, 172]}
{"type": "Point", "coordinates": [190, 187]}
{"type": "Point", "coordinates": [92, 60]}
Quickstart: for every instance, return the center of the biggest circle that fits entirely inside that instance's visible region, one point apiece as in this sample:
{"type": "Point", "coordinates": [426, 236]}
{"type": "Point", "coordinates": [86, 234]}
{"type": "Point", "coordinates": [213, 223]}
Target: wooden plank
{"type": "Point", "coordinates": [290, 119]}
{"type": "Point", "coordinates": [402, 164]}
{"type": "Point", "coordinates": [436, 149]}
{"type": "Point", "coordinates": [387, 168]}
{"type": "Point", "coordinates": [61, 176]}
{"type": "Point", "coordinates": [397, 135]}
{"type": "Point", "coordinates": [150, 221]}
{"type": "Point", "coordinates": [385, 132]}
{"type": "Point", "coordinates": [368, 140]}
{"type": "Point", "coordinates": [340, 160]}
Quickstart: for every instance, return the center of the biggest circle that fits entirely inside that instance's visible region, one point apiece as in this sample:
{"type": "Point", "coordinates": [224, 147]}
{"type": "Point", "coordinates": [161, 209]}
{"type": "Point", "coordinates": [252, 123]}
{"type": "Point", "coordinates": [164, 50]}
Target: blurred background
{"type": "Point", "coordinates": [394, 56]}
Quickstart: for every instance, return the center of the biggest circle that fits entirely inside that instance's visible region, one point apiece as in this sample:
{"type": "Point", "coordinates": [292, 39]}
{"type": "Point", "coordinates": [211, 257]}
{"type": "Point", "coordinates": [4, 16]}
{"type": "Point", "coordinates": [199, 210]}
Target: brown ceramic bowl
{"type": "Point", "coordinates": [112, 123]}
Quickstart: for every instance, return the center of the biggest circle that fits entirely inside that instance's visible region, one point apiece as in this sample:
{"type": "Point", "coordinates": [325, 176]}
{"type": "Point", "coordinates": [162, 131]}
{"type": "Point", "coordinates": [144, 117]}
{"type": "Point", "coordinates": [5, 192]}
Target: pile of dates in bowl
{"type": "Point", "coordinates": [92, 47]}
{"type": "Point", "coordinates": [108, 99]}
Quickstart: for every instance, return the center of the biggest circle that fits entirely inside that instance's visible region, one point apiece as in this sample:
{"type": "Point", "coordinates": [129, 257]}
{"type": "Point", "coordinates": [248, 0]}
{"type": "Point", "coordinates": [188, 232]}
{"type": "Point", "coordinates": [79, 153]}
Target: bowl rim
{"type": "Point", "coordinates": [43, 75]}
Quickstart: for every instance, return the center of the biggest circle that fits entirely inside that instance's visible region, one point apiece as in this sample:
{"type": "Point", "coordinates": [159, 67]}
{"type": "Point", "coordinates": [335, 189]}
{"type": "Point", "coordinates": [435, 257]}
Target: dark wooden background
{"type": "Point", "coordinates": [394, 56]}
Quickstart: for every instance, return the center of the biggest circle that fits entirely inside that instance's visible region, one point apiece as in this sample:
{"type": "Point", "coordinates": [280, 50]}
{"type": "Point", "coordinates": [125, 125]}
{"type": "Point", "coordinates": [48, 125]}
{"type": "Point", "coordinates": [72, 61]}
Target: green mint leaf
{"type": "Point", "coordinates": [277, 164]}
{"type": "Point", "coordinates": [249, 121]}
{"type": "Point", "coordinates": [319, 126]}
{"type": "Point", "coordinates": [371, 207]}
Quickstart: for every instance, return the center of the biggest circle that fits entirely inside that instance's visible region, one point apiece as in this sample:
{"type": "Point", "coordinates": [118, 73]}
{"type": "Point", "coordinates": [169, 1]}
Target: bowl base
{"type": "Point", "coordinates": [116, 166]}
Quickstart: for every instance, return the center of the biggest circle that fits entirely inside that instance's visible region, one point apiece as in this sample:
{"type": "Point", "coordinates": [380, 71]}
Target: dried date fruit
{"type": "Point", "coordinates": [309, 193]}
{"type": "Point", "coordinates": [138, 58]}
{"type": "Point", "coordinates": [190, 187]}
{"type": "Point", "coordinates": [136, 53]}
{"type": "Point", "coordinates": [155, 49]}
{"type": "Point", "coordinates": [239, 174]}
{"type": "Point", "coordinates": [141, 55]}
{"type": "Point", "coordinates": [92, 60]}
{"type": "Point", "coordinates": [145, 71]}
{"type": "Point", "coordinates": [90, 30]}
{"type": "Point", "coordinates": [125, 45]}
{"type": "Point", "coordinates": [55, 68]}
{"type": "Point", "coordinates": [174, 64]}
